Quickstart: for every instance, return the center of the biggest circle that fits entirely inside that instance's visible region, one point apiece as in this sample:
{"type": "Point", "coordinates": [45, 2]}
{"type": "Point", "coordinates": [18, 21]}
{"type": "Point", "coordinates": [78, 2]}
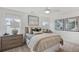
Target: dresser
{"type": "Point", "coordinates": [11, 41]}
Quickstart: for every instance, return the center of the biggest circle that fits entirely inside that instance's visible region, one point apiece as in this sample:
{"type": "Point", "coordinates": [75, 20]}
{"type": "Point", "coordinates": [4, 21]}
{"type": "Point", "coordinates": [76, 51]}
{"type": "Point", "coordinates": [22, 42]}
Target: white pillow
{"type": "Point", "coordinates": [29, 36]}
{"type": "Point", "coordinates": [37, 32]}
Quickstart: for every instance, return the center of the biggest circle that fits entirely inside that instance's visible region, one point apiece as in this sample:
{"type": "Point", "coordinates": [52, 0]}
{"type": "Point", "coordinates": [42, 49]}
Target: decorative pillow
{"type": "Point", "coordinates": [47, 31]}
{"type": "Point", "coordinates": [37, 32]}
{"type": "Point", "coordinates": [29, 36]}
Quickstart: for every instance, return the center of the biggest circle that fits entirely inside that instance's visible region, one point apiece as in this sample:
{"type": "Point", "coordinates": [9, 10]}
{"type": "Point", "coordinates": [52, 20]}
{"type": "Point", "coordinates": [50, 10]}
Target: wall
{"type": "Point", "coordinates": [66, 35]}
{"type": "Point", "coordinates": [1, 24]}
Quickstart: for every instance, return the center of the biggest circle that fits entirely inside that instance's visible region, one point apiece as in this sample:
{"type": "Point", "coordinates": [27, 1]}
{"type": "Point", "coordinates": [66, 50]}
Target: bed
{"type": "Point", "coordinates": [44, 42]}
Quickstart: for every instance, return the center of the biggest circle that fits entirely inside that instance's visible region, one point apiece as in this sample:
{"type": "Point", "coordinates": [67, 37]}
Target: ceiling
{"type": "Point", "coordinates": [40, 10]}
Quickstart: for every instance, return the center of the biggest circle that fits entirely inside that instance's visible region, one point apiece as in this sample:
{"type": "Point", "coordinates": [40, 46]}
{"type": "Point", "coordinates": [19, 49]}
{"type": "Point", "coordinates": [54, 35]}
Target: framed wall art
{"type": "Point", "coordinates": [33, 20]}
{"type": "Point", "coordinates": [67, 24]}
{"type": "Point", "coordinates": [71, 24]}
{"type": "Point", "coordinates": [59, 24]}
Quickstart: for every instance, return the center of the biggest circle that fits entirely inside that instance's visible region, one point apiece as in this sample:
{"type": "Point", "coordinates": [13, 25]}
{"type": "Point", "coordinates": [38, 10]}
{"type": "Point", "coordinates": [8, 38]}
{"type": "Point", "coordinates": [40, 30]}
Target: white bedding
{"type": "Point", "coordinates": [53, 48]}
{"type": "Point", "coordinates": [35, 38]}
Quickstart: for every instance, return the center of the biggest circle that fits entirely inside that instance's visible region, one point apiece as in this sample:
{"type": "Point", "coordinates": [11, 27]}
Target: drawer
{"type": "Point", "coordinates": [11, 41]}
{"type": "Point", "coordinates": [12, 37]}
{"type": "Point", "coordinates": [19, 37]}
{"type": "Point", "coordinates": [11, 46]}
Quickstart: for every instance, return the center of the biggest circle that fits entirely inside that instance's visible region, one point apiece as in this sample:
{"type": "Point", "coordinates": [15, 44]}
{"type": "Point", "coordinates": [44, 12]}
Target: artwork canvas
{"type": "Point", "coordinates": [71, 24]}
{"type": "Point", "coordinates": [59, 24]}
{"type": "Point", "coordinates": [33, 20]}
{"type": "Point", "coordinates": [68, 24]}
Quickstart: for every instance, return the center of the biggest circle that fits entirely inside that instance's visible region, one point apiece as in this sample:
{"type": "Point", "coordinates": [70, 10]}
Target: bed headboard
{"type": "Point", "coordinates": [31, 29]}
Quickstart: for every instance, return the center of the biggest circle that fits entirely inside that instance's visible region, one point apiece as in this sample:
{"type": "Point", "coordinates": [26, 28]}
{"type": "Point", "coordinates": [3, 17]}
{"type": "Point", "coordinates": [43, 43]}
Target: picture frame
{"type": "Point", "coordinates": [59, 24]}
{"type": "Point", "coordinates": [71, 24]}
{"type": "Point", "coordinates": [67, 24]}
{"type": "Point", "coordinates": [33, 20]}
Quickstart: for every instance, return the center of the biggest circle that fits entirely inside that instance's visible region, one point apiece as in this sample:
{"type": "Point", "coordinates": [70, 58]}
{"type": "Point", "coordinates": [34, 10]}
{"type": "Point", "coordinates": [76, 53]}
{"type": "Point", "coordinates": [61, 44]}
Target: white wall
{"type": "Point", "coordinates": [66, 35]}
{"type": "Point", "coordinates": [1, 24]}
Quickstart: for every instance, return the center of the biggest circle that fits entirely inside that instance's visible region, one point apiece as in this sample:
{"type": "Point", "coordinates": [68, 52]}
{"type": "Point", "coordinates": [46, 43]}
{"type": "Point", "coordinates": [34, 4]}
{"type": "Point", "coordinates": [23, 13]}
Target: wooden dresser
{"type": "Point", "coordinates": [12, 41]}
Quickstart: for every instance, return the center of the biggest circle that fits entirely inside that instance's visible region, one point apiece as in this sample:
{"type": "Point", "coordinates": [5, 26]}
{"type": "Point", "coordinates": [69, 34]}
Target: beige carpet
{"type": "Point", "coordinates": [68, 47]}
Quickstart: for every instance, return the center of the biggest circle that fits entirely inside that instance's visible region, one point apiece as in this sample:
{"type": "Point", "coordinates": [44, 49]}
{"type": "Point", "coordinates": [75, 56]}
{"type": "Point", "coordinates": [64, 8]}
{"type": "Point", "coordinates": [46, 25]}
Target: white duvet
{"type": "Point", "coordinates": [35, 39]}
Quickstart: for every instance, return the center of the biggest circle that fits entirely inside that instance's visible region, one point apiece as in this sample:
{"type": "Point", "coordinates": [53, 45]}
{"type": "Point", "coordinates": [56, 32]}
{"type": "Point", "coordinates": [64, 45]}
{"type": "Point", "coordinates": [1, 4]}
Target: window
{"type": "Point", "coordinates": [12, 23]}
{"type": "Point", "coordinates": [45, 24]}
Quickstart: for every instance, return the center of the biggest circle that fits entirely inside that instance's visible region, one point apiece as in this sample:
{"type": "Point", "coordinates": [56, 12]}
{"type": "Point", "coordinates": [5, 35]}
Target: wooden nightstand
{"type": "Point", "coordinates": [12, 41]}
